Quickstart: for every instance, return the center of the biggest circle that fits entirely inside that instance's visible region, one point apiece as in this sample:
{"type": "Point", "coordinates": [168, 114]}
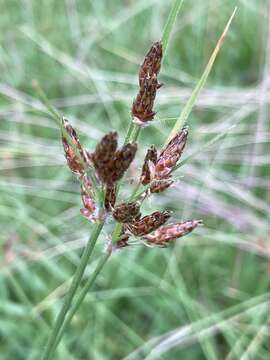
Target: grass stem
{"type": "Point", "coordinates": [50, 347]}
{"type": "Point", "coordinates": [82, 295]}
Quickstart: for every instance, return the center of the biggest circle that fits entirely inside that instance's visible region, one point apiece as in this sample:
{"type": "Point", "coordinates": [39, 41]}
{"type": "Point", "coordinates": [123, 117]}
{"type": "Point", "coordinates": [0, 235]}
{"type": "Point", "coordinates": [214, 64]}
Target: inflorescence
{"type": "Point", "coordinates": [99, 172]}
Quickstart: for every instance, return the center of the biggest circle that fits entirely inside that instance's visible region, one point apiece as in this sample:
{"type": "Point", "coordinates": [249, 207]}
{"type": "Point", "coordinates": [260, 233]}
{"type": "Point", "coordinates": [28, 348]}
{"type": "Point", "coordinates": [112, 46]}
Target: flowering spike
{"type": "Point", "coordinates": [75, 155]}
{"type": "Point", "coordinates": [110, 197]}
{"type": "Point", "coordinates": [123, 241]}
{"type": "Point", "coordinates": [90, 210]}
{"type": "Point", "coordinates": [152, 62]}
{"type": "Point", "coordinates": [148, 223]}
{"type": "Point", "coordinates": [171, 154]}
{"type": "Point", "coordinates": [142, 108]}
{"type": "Point", "coordinates": [103, 156]}
{"type": "Point", "coordinates": [151, 155]}
{"type": "Point", "coordinates": [127, 212]}
{"type": "Point", "coordinates": [160, 185]}
{"type": "Point", "coordinates": [121, 162]}
{"type": "Point", "coordinates": [165, 234]}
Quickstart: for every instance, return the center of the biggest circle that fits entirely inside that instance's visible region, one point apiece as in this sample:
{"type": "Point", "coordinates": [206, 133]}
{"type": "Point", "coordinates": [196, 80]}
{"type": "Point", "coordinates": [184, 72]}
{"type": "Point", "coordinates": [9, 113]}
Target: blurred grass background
{"type": "Point", "coordinates": [207, 297]}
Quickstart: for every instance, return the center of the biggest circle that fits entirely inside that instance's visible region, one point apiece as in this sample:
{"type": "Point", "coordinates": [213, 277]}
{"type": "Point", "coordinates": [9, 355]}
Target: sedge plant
{"type": "Point", "coordinates": [100, 172]}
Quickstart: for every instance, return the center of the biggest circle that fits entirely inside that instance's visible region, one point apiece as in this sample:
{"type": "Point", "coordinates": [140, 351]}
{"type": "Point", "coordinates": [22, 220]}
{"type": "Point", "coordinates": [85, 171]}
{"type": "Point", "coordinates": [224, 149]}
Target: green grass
{"type": "Point", "coordinates": [207, 297]}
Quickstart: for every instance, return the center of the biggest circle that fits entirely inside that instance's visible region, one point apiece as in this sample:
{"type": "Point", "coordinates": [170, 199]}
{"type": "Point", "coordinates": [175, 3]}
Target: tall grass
{"type": "Point", "coordinates": [208, 296]}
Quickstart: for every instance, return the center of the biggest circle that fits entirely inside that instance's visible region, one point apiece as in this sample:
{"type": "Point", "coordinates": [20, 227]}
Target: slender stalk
{"type": "Point", "coordinates": [129, 132]}
{"type": "Point", "coordinates": [82, 294]}
{"type": "Point", "coordinates": [49, 349]}
{"type": "Point", "coordinates": [169, 24]}
{"type": "Point", "coordinates": [195, 93]}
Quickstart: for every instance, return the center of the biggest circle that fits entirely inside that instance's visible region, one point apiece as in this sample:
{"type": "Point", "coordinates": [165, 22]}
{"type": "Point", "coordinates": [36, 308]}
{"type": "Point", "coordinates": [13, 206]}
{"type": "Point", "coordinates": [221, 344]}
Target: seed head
{"type": "Point", "coordinates": [110, 197]}
{"type": "Point", "coordinates": [165, 234]}
{"type": "Point", "coordinates": [152, 62]}
{"type": "Point", "coordinates": [121, 162]}
{"type": "Point", "coordinates": [158, 186]}
{"type": "Point", "coordinates": [148, 223]}
{"type": "Point", "coordinates": [151, 156]}
{"type": "Point", "coordinates": [142, 108]}
{"type": "Point", "coordinates": [90, 210]}
{"type": "Point", "coordinates": [171, 154]}
{"type": "Point", "coordinates": [127, 212]}
{"type": "Point", "coordinates": [103, 156]}
{"type": "Point", "coordinates": [74, 153]}
{"type": "Point", "coordinates": [123, 241]}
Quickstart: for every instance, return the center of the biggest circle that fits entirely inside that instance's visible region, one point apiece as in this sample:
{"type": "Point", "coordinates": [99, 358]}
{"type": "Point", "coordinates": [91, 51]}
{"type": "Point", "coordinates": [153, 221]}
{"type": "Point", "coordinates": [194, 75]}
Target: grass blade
{"type": "Point", "coordinates": [169, 24]}
{"type": "Point", "coordinates": [189, 105]}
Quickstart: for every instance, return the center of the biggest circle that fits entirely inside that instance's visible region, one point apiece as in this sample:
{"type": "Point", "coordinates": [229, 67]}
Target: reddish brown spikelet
{"type": "Point", "coordinates": [148, 223]}
{"type": "Point", "coordinates": [121, 162]}
{"type": "Point", "coordinates": [74, 153]}
{"type": "Point", "coordinates": [110, 197]}
{"type": "Point", "coordinates": [90, 209]}
{"type": "Point", "coordinates": [160, 185]}
{"type": "Point", "coordinates": [151, 155]}
{"type": "Point", "coordinates": [123, 241]}
{"type": "Point", "coordinates": [103, 156]}
{"type": "Point", "coordinates": [171, 232]}
{"type": "Point", "coordinates": [152, 61]}
{"type": "Point", "coordinates": [127, 212]}
{"type": "Point", "coordinates": [142, 108]}
{"type": "Point", "coordinates": [171, 154]}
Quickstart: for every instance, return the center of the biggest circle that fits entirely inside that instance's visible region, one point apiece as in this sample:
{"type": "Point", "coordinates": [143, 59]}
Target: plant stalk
{"type": "Point", "coordinates": [82, 295]}
{"type": "Point", "coordinates": [49, 349]}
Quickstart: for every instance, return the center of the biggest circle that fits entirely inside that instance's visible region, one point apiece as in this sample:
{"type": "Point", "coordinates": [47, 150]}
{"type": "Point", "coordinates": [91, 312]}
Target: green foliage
{"type": "Point", "coordinates": [85, 55]}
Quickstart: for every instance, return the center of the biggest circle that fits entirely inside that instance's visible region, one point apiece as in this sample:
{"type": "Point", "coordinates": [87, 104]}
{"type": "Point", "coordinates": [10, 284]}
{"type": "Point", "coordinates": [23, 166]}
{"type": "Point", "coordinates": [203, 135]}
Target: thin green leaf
{"type": "Point", "coordinates": [189, 105]}
{"type": "Point", "coordinates": [169, 24]}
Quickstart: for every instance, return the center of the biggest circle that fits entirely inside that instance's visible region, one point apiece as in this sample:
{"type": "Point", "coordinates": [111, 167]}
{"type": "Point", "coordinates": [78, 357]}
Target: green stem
{"type": "Point", "coordinates": [82, 295]}
{"type": "Point", "coordinates": [49, 349]}
{"type": "Point", "coordinates": [135, 134]}
{"type": "Point", "coordinates": [169, 24]}
{"type": "Point", "coordinates": [129, 132]}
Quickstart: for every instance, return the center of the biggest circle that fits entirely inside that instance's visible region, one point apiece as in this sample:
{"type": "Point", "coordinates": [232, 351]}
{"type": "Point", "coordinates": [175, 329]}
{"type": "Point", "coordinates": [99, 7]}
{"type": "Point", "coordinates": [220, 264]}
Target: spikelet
{"type": "Point", "coordinates": [171, 154]}
{"type": "Point", "coordinates": [152, 62]}
{"type": "Point", "coordinates": [123, 241]}
{"type": "Point", "coordinates": [103, 156]}
{"type": "Point", "coordinates": [75, 155]}
{"type": "Point", "coordinates": [110, 197]}
{"type": "Point", "coordinates": [148, 223]}
{"type": "Point", "coordinates": [167, 233]}
{"type": "Point", "coordinates": [142, 108]}
{"type": "Point", "coordinates": [111, 164]}
{"type": "Point", "coordinates": [151, 156]}
{"type": "Point", "coordinates": [127, 212]}
{"type": "Point", "coordinates": [158, 186]}
{"type": "Point", "coordinates": [90, 210]}
{"type": "Point", "coordinates": [121, 162]}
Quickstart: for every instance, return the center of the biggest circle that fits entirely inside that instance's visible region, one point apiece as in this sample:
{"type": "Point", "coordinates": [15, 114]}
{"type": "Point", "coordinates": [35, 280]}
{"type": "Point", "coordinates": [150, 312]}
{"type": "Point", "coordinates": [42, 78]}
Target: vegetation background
{"type": "Point", "coordinates": [206, 297]}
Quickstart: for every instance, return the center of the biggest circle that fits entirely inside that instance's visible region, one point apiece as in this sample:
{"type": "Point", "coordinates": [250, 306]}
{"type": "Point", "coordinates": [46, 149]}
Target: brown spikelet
{"type": "Point", "coordinates": [121, 162]}
{"type": "Point", "coordinates": [158, 186]}
{"type": "Point", "coordinates": [142, 108]}
{"type": "Point", "coordinates": [123, 241]}
{"type": "Point", "coordinates": [152, 62]}
{"type": "Point", "coordinates": [151, 155]}
{"type": "Point", "coordinates": [103, 156]}
{"type": "Point", "coordinates": [171, 232]}
{"type": "Point", "coordinates": [148, 223]}
{"type": "Point", "coordinates": [171, 154]}
{"type": "Point", "coordinates": [90, 210]}
{"type": "Point", "coordinates": [74, 153]}
{"type": "Point", "coordinates": [127, 212]}
{"type": "Point", "coordinates": [110, 197]}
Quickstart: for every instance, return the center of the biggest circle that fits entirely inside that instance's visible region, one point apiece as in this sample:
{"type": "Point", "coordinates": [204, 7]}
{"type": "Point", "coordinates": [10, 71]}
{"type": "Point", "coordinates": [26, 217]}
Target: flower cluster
{"type": "Point", "coordinates": [142, 108]}
{"type": "Point", "coordinates": [100, 171]}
